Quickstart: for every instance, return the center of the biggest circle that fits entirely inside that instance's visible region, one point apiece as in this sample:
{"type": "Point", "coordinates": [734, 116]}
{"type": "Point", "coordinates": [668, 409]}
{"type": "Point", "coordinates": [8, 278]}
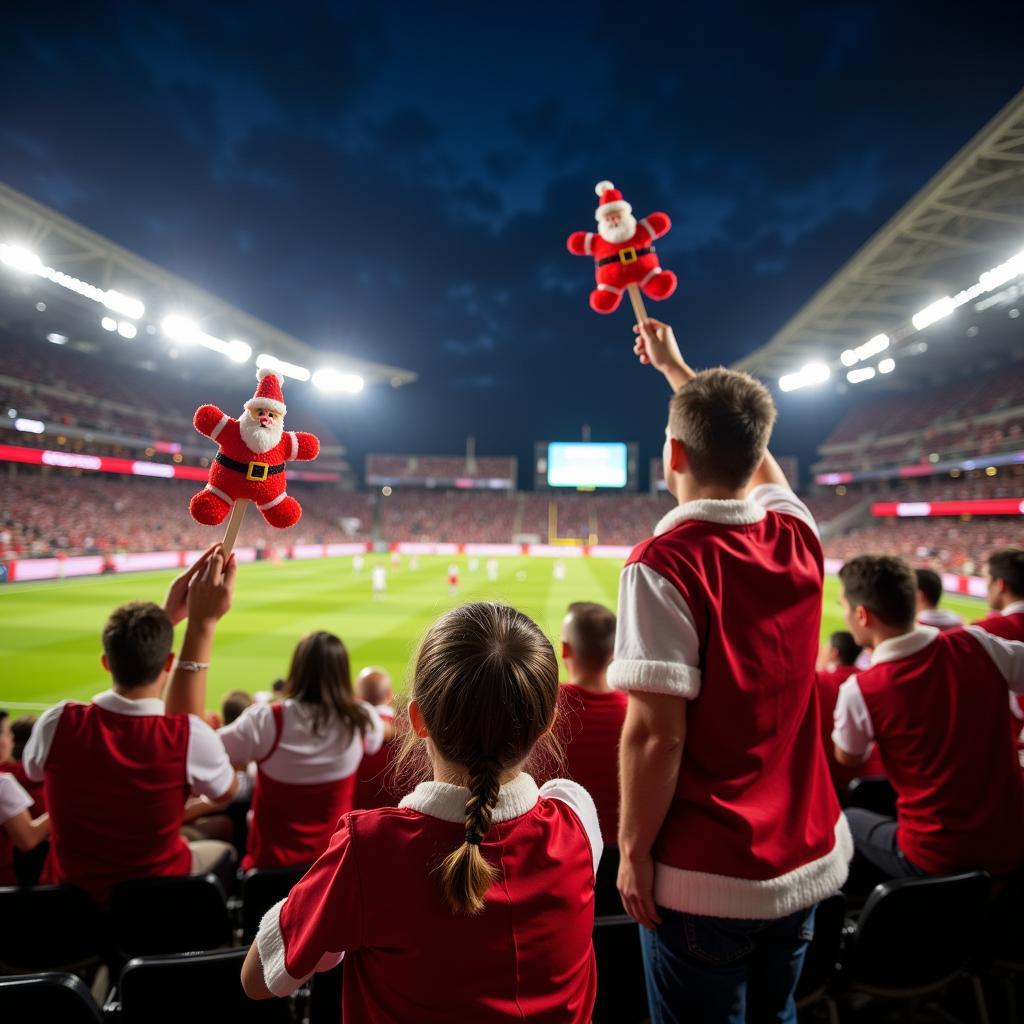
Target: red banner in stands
{"type": "Point", "coordinates": [131, 467]}
{"type": "Point", "coordinates": [978, 507]}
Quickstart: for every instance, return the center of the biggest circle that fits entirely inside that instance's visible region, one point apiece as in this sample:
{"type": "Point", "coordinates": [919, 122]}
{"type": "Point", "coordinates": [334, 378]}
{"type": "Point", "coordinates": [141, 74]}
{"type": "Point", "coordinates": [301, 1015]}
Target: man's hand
{"type": "Point", "coordinates": [211, 590]}
{"type": "Point", "coordinates": [176, 604]}
{"type": "Point", "coordinates": [636, 886]}
{"type": "Point", "coordinates": [656, 344]}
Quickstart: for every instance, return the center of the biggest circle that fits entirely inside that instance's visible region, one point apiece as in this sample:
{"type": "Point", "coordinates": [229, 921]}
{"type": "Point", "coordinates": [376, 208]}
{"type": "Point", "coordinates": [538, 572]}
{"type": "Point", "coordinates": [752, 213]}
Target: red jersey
{"type": "Point", "coordinates": [376, 785]}
{"type": "Point", "coordinates": [828, 694]}
{"type": "Point", "coordinates": [13, 800]}
{"type": "Point", "coordinates": [527, 956]}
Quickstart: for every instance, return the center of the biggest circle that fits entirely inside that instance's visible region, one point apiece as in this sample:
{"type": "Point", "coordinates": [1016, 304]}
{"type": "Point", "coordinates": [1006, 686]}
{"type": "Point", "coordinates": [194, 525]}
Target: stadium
{"type": "Point", "coordinates": [914, 345]}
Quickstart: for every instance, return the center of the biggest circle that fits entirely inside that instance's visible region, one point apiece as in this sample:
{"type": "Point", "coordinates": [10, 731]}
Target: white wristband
{"type": "Point", "coordinates": [191, 666]}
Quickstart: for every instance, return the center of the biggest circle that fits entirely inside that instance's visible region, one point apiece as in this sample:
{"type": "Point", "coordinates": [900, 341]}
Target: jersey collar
{"type": "Point", "coordinates": [111, 701]}
{"type": "Point", "coordinates": [726, 511]}
{"type": "Point", "coordinates": [1014, 609]}
{"type": "Point", "coordinates": [447, 802]}
{"type": "Point", "coordinates": [904, 645]}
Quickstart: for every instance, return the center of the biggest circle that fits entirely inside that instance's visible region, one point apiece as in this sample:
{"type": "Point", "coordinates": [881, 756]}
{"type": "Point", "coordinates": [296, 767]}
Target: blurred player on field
{"type": "Point", "coordinates": [379, 581]}
{"type": "Point", "coordinates": [453, 580]}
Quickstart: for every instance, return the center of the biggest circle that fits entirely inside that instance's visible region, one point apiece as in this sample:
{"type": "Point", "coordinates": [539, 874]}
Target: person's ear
{"type": "Point", "coordinates": [678, 459]}
{"type": "Point", "coordinates": [104, 662]}
{"type": "Point", "coordinates": [566, 651]}
{"type": "Point", "coordinates": [864, 616]}
{"type": "Point", "coordinates": [169, 663]}
{"type": "Point", "coordinates": [419, 726]}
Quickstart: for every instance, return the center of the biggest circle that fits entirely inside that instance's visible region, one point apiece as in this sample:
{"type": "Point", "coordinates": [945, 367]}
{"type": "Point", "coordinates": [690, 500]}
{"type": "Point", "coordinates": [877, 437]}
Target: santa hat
{"type": "Point", "coordinates": [268, 394]}
{"type": "Point", "coordinates": [611, 199]}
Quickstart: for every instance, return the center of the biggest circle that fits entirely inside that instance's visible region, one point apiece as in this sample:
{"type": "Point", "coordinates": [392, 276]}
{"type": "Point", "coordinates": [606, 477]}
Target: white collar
{"type": "Point", "coordinates": [938, 617]}
{"type": "Point", "coordinates": [447, 802]}
{"type": "Point", "coordinates": [111, 701]}
{"type": "Point", "coordinates": [726, 511]}
{"type": "Point", "coordinates": [1014, 609]}
{"type": "Point", "coordinates": [904, 645]}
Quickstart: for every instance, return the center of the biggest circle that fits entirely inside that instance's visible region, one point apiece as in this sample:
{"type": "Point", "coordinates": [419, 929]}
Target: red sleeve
{"type": "Point", "coordinates": [309, 446]}
{"type": "Point", "coordinates": [657, 224]}
{"type": "Point", "coordinates": [577, 243]}
{"type": "Point", "coordinates": [207, 419]}
{"type": "Point", "coordinates": [321, 919]}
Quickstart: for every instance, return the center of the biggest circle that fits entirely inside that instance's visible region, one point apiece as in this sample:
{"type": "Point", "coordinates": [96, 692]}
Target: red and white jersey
{"type": "Point", "coordinates": [376, 785]}
{"type": "Point", "coordinates": [13, 800]}
{"type": "Point", "coordinates": [722, 608]}
{"type": "Point", "coordinates": [589, 727]}
{"type": "Point", "coordinates": [527, 956]}
{"type": "Point", "coordinates": [940, 618]}
{"type": "Point", "coordinates": [935, 703]}
{"type": "Point", "coordinates": [36, 790]}
{"type": "Point", "coordinates": [305, 781]}
{"type": "Point", "coordinates": [1009, 624]}
{"type": "Point", "coordinates": [453, 575]}
{"type": "Point", "coordinates": [829, 682]}
{"type": "Point", "coordinates": [117, 774]}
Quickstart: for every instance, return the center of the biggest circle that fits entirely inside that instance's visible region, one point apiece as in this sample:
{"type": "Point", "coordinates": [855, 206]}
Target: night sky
{"type": "Point", "coordinates": [397, 181]}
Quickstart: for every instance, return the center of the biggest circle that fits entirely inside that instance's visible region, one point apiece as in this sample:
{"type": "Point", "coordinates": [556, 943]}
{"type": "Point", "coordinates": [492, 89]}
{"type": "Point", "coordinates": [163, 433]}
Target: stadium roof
{"type": "Point", "coordinates": [967, 220]}
{"type": "Point", "coordinates": [88, 265]}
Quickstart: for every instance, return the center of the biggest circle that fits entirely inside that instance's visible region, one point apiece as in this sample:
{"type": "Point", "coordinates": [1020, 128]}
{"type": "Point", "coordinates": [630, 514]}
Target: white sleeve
{"type": "Point", "coordinates": [656, 645]}
{"type": "Point", "coordinates": [853, 730]}
{"type": "Point", "coordinates": [251, 735]}
{"type": "Point", "coordinates": [209, 770]}
{"type": "Point", "coordinates": [13, 798]}
{"type": "Point", "coordinates": [777, 498]}
{"type": "Point", "coordinates": [582, 804]}
{"type": "Point", "coordinates": [37, 750]}
{"type": "Point", "coordinates": [1008, 656]}
{"type": "Point", "coordinates": [373, 738]}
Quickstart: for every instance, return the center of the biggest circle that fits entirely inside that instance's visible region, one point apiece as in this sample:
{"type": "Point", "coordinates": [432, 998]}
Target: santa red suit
{"type": "Point", "coordinates": [632, 260]}
{"type": "Point", "coordinates": [240, 472]}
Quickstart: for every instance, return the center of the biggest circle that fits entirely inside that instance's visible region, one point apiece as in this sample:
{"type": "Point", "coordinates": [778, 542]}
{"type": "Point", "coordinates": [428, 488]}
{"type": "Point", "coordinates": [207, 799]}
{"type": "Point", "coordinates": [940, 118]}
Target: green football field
{"type": "Point", "coordinates": [49, 632]}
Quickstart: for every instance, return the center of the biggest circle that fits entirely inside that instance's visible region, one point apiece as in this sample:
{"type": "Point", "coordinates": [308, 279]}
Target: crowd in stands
{"type": "Point", "coordinates": [440, 467]}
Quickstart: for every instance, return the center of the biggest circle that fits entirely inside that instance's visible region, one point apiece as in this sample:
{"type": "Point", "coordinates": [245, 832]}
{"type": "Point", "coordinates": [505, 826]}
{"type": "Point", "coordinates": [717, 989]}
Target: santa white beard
{"type": "Point", "coordinates": [613, 234]}
{"type": "Point", "coordinates": [258, 438]}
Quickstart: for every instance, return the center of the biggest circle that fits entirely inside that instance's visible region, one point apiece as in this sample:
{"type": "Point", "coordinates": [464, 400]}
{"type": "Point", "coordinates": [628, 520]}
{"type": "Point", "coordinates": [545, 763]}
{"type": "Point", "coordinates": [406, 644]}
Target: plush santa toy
{"type": "Point", "coordinates": [623, 251]}
{"type": "Point", "coordinates": [250, 462]}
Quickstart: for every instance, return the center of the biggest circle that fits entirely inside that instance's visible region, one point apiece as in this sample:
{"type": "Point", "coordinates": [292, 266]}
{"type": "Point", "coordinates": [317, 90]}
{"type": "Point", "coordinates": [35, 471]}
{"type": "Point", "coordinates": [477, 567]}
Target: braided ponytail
{"type": "Point", "coordinates": [466, 874]}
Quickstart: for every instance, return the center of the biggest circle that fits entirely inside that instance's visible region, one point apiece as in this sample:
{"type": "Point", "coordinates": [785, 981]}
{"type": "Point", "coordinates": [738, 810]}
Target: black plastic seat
{"type": "Point", "coordinates": [821, 962]}
{"type": "Point", "coordinates": [47, 997]}
{"type": "Point", "coordinates": [621, 991]}
{"type": "Point", "coordinates": [872, 793]}
{"type": "Point", "coordinates": [193, 988]}
{"type": "Point", "coordinates": [261, 889]}
{"type": "Point", "coordinates": [917, 935]}
{"type": "Point", "coordinates": [152, 916]}
{"type": "Point", "coordinates": [48, 928]}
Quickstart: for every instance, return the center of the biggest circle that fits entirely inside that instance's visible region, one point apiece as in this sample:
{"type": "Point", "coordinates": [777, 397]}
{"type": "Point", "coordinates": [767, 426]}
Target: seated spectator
{"type": "Point", "coordinates": [21, 730]}
{"type": "Point", "coordinates": [307, 748]}
{"type": "Point", "coordinates": [118, 770]}
{"type": "Point", "coordinates": [936, 705]}
{"type": "Point", "coordinates": [233, 705]}
{"type": "Point", "coordinates": [18, 828]}
{"type": "Point", "coordinates": [376, 785]}
{"type": "Point", "coordinates": [929, 594]}
{"type": "Point", "coordinates": [472, 901]}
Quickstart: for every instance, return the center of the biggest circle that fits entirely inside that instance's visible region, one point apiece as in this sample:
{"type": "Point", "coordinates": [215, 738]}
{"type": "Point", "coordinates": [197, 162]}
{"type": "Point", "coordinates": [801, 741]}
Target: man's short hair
{"type": "Point", "coordinates": [884, 584]}
{"type": "Point", "coordinates": [845, 646]}
{"type": "Point", "coordinates": [1007, 564]}
{"type": "Point", "coordinates": [723, 419]}
{"type": "Point", "coordinates": [21, 731]}
{"type": "Point", "coordinates": [137, 639]}
{"type": "Point", "coordinates": [233, 705]}
{"type": "Point", "coordinates": [929, 582]}
{"type": "Point", "coordinates": [590, 632]}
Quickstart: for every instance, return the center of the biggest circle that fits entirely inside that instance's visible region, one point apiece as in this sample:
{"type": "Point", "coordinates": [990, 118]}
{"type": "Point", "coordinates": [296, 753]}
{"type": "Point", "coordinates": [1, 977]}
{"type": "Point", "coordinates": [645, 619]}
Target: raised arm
{"type": "Point", "coordinates": [304, 447]}
{"type": "Point", "coordinates": [210, 421]}
{"type": "Point", "coordinates": [579, 243]}
{"type": "Point", "coordinates": [657, 224]}
{"type": "Point", "coordinates": [655, 345]}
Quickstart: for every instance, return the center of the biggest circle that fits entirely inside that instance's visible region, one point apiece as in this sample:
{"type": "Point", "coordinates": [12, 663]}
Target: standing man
{"type": "Point", "coordinates": [730, 831]}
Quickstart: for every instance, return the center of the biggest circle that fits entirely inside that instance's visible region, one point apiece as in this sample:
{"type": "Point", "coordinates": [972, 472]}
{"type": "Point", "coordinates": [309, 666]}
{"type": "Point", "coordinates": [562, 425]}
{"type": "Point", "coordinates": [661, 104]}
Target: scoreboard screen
{"type": "Point", "coordinates": [587, 464]}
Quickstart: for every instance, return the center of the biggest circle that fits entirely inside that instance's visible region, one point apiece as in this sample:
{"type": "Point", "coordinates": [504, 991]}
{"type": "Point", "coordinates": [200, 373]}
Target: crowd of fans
{"type": "Point", "coordinates": [440, 467]}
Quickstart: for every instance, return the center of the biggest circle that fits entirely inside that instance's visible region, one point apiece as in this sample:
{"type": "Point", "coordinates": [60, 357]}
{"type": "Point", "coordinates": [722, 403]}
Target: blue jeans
{"type": "Point", "coordinates": [713, 970]}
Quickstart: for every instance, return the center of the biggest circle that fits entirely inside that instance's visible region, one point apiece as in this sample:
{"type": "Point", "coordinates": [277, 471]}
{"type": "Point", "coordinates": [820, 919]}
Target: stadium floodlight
{"type": "Point", "coordinates": [293, 370]}
{"type": "Point", "coordinates": [123, 304]}
{"type": "Point", "coordinates": [127, 330]}
{"type": "Point", "coordinates": [108, 323]}
{"type": "Point", "coordinates": [887, 366]}
{"type": "Point", "coordinates": [30, 426]}
{"type": "Point", "coordinates": [17, 257]}
{"type": "Point", "coordinates": [180, 328]}
{"type": "Point", "coordinates": [848, 358]}
{"type": "Point", "coordinates": [998, 276]}
{"type": "Point", "coordinates": [57, 339]}
{"type": "Point", "coordinates": [932, 314]}
{"type": "Point", "coordinates": [238, 351]}
{"type": "Point", "coordinates": [327, 379]}
{"type": "Point", "coordinates": [812, 373]}
{"type": "Point", "coordinates": [864, 373]}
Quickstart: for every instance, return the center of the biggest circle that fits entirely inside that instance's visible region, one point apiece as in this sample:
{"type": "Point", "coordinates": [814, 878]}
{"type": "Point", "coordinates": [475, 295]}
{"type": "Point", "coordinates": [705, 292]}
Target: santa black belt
{"type": "Point", "coordinates": [252, 470]}
{"type": "Point", "coordinates": [627, 255]}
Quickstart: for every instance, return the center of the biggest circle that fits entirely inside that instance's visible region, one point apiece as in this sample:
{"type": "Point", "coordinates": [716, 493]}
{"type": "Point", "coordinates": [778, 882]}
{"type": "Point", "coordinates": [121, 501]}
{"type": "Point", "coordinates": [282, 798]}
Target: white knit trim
{"type": "Point", "coordinates": [273, 501]}
{"type": "Point", "coordinates": [270, 946]}
{"type": "Point", "coordinates": [645, 223]}
{"type": "Point", "coordinates": [727, 511]}
{"type": "Point", "coordinates": [266, 403]}
{"type": "Point", "coordinates": [574, 796]}
{"type": "Point", "coordinates": [616, 204]}
{"type": "Point", "coordinates": [609, 288]}
{"type": "Point", "coordinates": [904, 645]}
{"type": "Point", "coordinates": [223, 422]}
{"type": "Point", "coordinates": [223, 495]}
{"type": "Point", "coordinates": [651, 273]}
{"type": "Point", "coordinates": [293, 437]}
{"type": "Point", "coordinates": [447, 802]}
{"type": "Point", "coordinates": [588, 243]}
{"type": "Point", "coordinates": [655, 677]}
{"type": "Point", "coordinates": [699, 892]}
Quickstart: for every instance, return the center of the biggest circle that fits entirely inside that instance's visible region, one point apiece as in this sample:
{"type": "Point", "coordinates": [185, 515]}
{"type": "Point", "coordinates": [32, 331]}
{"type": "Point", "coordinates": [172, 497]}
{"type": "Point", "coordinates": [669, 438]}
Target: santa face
{"type": "Point", "coordinates": [261, 428]}
{"type": "Point", "coordinates": [616, 226]}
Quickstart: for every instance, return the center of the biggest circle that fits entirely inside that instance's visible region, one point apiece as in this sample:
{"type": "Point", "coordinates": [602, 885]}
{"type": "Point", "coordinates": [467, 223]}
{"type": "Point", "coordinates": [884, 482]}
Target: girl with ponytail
{"type": "Point", "coordinates": [473, 899]}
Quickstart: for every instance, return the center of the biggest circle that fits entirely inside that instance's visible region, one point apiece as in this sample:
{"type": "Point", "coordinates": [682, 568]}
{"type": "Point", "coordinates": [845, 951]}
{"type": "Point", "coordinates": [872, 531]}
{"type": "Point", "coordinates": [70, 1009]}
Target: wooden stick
{"type": "Point", "coordinates": [234, 522]}
{"type": "Point", "coordinates": [639, 310]}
